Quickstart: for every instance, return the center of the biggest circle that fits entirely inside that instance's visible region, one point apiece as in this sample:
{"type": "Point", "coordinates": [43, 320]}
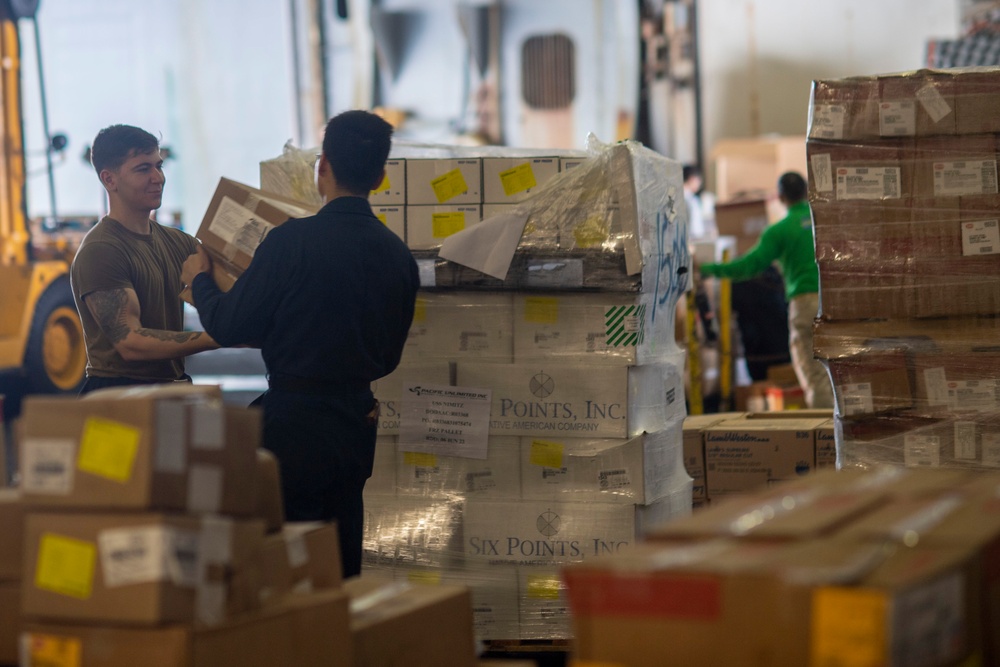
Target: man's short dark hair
{"type": "Point", "coordinates": [356, 144]}
{"type": "Point", "coordinates": [792, 187]}
{"type": "Point", "coordinates": [117, 143]}
{"type": "Point", "coordinates": [690, 170]}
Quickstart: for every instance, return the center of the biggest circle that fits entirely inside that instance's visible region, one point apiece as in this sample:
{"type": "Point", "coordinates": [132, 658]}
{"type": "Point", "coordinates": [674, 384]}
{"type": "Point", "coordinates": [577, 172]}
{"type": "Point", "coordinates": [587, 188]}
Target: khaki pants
{"type": "Point", "coordinates": [811, 373]}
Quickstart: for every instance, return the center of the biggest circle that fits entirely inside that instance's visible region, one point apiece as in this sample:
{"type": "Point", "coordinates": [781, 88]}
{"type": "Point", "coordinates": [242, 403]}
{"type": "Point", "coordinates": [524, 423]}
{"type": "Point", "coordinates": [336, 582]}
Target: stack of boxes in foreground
{"type": "Point", "coordinates": [147, 530]}
{"type": "Point", "coordinates": [884, 566]}
{"type": "Point", "coordinates": [574, 345]}
{"type": "Point", "coordinates": [903, 186]}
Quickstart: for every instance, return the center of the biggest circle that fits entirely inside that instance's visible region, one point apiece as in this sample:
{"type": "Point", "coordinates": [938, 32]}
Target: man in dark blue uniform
{"type": "Point", "coordinates": [329, 299]}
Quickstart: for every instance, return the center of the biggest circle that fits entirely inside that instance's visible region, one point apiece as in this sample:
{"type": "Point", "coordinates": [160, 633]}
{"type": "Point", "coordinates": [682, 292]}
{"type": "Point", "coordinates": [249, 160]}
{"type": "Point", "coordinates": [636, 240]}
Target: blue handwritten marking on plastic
{"type": "Point", "coordinates": [670, 260]}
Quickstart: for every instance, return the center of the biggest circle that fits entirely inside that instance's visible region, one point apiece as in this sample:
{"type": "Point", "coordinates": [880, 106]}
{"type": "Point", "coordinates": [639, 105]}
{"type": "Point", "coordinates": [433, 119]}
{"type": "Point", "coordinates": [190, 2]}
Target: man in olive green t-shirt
{"type": "Point", "coordinates": [790, 244]}
{"type": "Point", "coordinates": [126, 276]}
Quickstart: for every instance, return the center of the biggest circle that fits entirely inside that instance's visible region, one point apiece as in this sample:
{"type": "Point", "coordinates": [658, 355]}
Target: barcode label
{"type": "Point", "coordinates": [965, 177]}
{"type": "Point", "coordinates": [609, 480]}
{"type": "Point", "coordinates": [874, 183]}
{"type": "Point", "coordinates": [921, 450]}
{"type": "Point", "coordinates": [978, 395]}
{"type": "Point", "coordinates": [981, 237]}
{"type": "Point", "coordinates": [897, 119]}
{"type": "Point", "coordinates": [965, 440]}
{"type": "Point", "coordinates": [857, 398]}
{"type": "Point", "coordinates": [827, 121]}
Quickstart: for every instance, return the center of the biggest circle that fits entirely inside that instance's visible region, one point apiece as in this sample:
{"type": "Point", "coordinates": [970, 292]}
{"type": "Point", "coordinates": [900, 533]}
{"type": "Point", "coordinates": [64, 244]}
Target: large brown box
{"type": "Point", "coordinates": [694, 447]}
{"type": "Point", "coordinates": [237, 220]}
{"type": "Point", "coordinates": [304, 631]}
{"type": "Point", "coordinates": [742, 455]}
{"type": "Point", "coordinates": [784, 605]}
{"type": "Point", "coordinates": [977, 98]}
{"type": "Point", "coordinates": [753, 165]}
{"type": "Point", "coordinates": [151, 449]}
{"type": "Point", "coordinates": [303, 557]}
{"type": "Point", "coordinates": [12, 532]}
{"type": "Point", "coordinates": [403, 625]}
{"type": "Point", "coordinates": [746, 220]}
{"type": "Point", "coordinates": [139, 568]}
{"type": "Point", "coordinates": [10, 620]}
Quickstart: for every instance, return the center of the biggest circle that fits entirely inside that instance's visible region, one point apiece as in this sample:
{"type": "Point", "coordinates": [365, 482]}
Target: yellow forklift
{"type": "Point", "coordinates": [41, 337]}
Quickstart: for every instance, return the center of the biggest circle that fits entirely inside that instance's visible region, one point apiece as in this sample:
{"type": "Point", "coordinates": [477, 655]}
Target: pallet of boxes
{"type": "Point", "coordinates": [147, 530]}
{"type": "Point", "coordinates": [903, 186]}
{"type": "Point", "coordinates": [536, 417]}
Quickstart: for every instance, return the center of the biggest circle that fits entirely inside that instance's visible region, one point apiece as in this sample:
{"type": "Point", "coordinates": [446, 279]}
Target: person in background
{"type": "Point", "coordinates": [126, 275]}
{"type": "Point", "coordinates": [698, 227]}
{"type": "Point", "coordinates": [329, 299]}
{"type": "Point", "coordinates": [789, 242]}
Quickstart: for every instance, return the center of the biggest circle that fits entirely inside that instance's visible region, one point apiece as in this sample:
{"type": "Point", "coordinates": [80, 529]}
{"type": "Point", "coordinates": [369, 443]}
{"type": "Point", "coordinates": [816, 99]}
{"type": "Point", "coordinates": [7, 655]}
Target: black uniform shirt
{"type": "Point", "coordinates": [328, 298]}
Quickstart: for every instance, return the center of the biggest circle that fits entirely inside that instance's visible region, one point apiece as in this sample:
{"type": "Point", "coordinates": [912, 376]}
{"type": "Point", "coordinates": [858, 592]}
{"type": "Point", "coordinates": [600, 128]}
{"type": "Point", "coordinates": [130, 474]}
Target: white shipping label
{"type": "Point", "coordinates": [171, 437]}
{"type": "Point", "coordinates": [979, 395]}
{"type": "Point", "coordinates": [134, 555]}
{"type": "Point", "coordinates": [614, 479]}
{"type": "Point", "coordinates": [204, 492]}
{"type": "Point", "coordinates": [897, 119]}
{"type": "Point", "coordinates": [933, 102]}
{"type": "Point", "coordinates": [298, 553]}
{"type": "Point", "coordinates": [922, 450]}
{"type": "Point", "coordinates": [965, 440]}
{"type": "Point", "coordinates": [828, 121]}
{"type": "Point", "coordinates": [822, 168]}
{"type": "Point", "coordinates": [929, 623]}
{"type": "Point", "coordinates": [873, 183]}
{"type": "Point", "coordinates": [857, 398]}
{"type": "Point", "coordinates": [991, 450]}
{"type": "Point", "coordinates": [239, 226]}
{"type": "Point", "coordinates": [47, 465]}
{"type": "Point", "coordinates": [937, 386]}
{"type": "Point", "coordinates": [479, 480]}
{"type": "Point", "coordinates": [208, 426]}
{"type": "Point", "coordinates": [980, 238]}
{"type": "Point", "coordinates": [965, 177]}
{"type": "Point", "coordinates": [182, 558]}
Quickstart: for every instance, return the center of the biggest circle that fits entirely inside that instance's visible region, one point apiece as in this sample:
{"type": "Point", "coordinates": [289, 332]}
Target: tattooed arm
{"type": "Point", "coordinates": [117, 312]}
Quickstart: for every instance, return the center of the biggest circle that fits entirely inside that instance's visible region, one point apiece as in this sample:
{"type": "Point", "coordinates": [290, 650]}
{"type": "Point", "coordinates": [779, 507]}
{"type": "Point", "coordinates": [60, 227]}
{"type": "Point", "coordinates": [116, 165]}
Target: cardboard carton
{"type": "Point", "coordinates": [694, 446]}
{"type": "Point", "coordinates": [303, 557]}
{"type": "Point", "coordinates": [303, 630]}
{"type": "Point", "coordinates": [152, 448]}
{"type": "Point", "coordinates": [429, 626]}
{"type": "Point", "coordinates": [427, 225]}
{"type": "Point", "coordinates": [496, 476]}
{"type": "Point", "coordinates": [542, 604]}
{"type": "Point", "coordinates": [509, 180]}
{"type": "Point", "coordinates": [745, 454]}
{"type": "Point", "coordinates": [976, 97]}
{"type": "Point", "coordinates": [755, 164]}
{"type": "Point", "coordinates": [10, 621]}
{"type": "Point", "coordinates": [745, 220]}
{"type": "Point", "coordinates": [577, 400]}
{"type": "Point", "coordinates": [12, 512]}
{"type": "Point", "coordinates": [844, 110]}
{"type": "Point", "coordinates": [139, 568]}
{"type": "Point", "coordinates": [826, 445]}
{"type": "Point", "coordinates": [438, 182]}
{"type": "Point", "coordinates": [270, 506]}
{"type": "Point", "coordinates": [412, 531]}
{"type": "Point", "coordinates": [236, 221]}
{"type": "Point", "coordinates": [448, 327]}
{"type": "Point", "coordinates": [392, 190]}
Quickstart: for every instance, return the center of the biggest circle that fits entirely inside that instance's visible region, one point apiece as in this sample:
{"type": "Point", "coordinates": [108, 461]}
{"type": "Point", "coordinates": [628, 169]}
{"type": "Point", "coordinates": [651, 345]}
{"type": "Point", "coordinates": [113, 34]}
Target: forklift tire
{"type": "Point", "coordinates": [55, 359]}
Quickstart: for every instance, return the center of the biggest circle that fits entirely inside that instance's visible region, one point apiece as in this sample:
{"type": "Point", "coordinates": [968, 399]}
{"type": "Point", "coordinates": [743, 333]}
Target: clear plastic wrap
{"type": "Point", "coordinates": [576, 346]}
{"type": "Point", "coordinates": [903, 187]}
{"type": "Point", "coordinates": [292, 174]}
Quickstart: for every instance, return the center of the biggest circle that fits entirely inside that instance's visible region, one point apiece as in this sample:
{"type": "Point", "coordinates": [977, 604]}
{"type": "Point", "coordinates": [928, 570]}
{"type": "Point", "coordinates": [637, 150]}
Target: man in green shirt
{"type": "Point", "coordinates": [790, 244]}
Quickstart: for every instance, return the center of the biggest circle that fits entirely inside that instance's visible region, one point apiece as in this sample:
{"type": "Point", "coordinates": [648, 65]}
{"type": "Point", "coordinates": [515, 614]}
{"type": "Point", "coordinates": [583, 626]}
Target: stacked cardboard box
{"type": "Point", "coordinates": [585, 407]}
{"type": "Point", "coordinates": [887, 566]}
{"type": "Point", "coordinates": [139, 540]}
{"type": "Point", "coordinates": [429, 194]}
{"type": "Point", "coordinates": [903, 185]}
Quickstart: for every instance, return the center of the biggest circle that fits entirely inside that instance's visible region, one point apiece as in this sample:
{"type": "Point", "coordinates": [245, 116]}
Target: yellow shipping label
{"type": "Point", "coordinates": [65, 565]}
{"type": "Point", "coordinates": [544, 586]}
{"type": "Point", "coordinates": [444, 225]}
{"type": "Point", "coordinates": [541, 309]}
{"type": "Point", "coordinates": [449, 185]}
{"type": "Point", "coordinates": [50, 651]}
{"type": "Point", "coordinates": [424, 577]}
{"type": "Point", "coordinates": [848, 627]}
{"type": "Point", "coordinates": [518, 179]}
{"type": "Point", "coordinates": [381, 217]}
{"type": "Point", "coordinates": [384, 185]}
{"type": "Point", "coordinates": [547, 454]}
{"type": "Point", "coordinates": [420, 310]}
{"type": "Point", "coordinates": [420, 459]}
{"type": "Point", "coordinates": [108, 449]}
